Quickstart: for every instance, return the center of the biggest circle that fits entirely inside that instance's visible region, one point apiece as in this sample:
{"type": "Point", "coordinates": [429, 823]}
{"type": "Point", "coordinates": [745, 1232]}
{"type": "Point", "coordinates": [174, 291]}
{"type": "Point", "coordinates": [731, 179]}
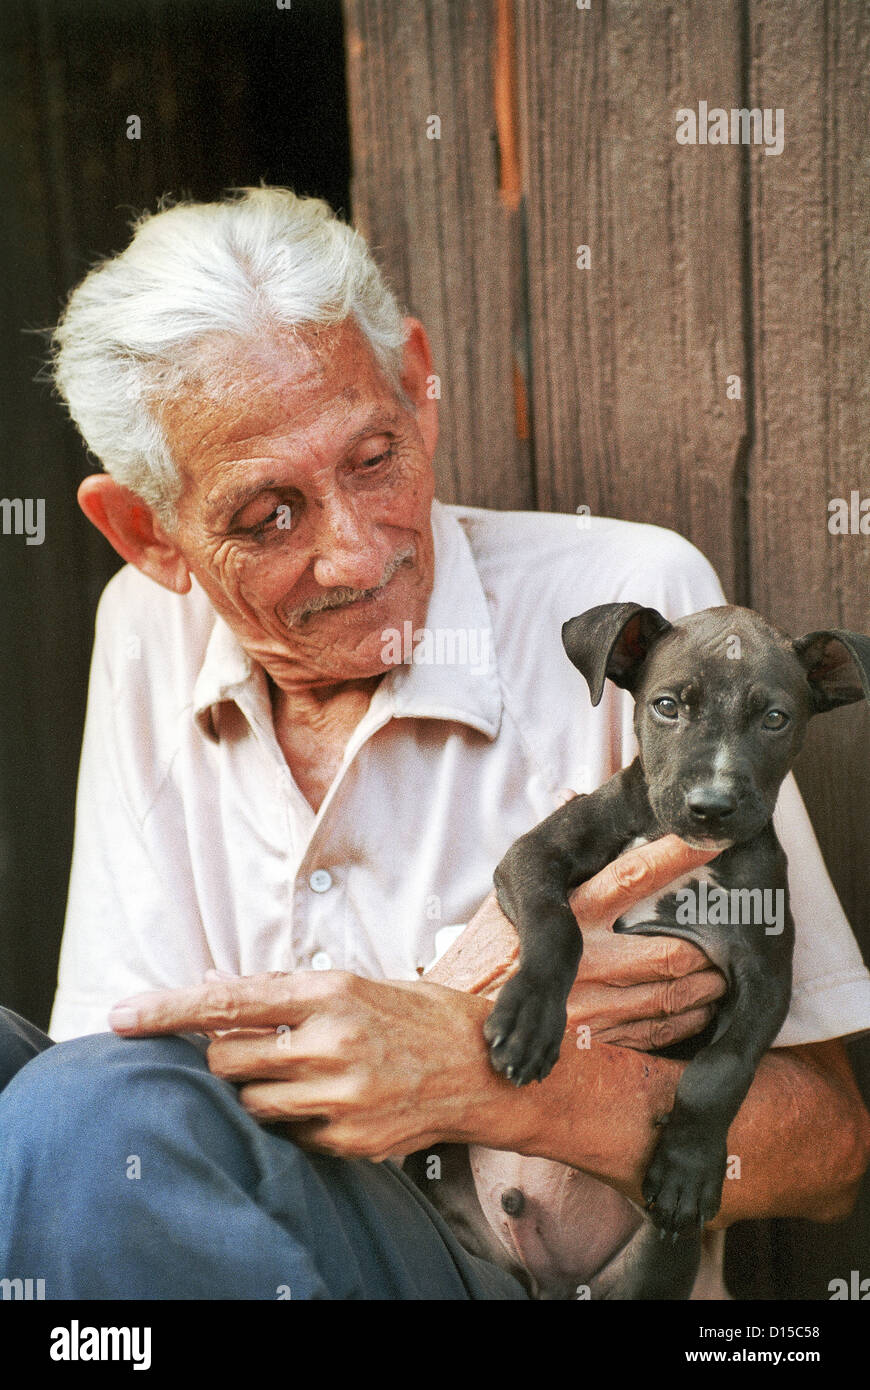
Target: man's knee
{"type": "Point", "coordinates": [103, 1060]}
{"type": "Point", "coordinates": [127, 1168]}
{"type": "Point", "coordinates": [95, 1096]}
{"type": "Point", "coordinates": [125, 1161]}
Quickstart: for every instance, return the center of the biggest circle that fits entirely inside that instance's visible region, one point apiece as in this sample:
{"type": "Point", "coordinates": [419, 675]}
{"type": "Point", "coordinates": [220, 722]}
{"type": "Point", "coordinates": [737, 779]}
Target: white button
{"type": "Point", "coordinates": [321, 961]}
{"type": "Point", "coordinates": [320, 880]}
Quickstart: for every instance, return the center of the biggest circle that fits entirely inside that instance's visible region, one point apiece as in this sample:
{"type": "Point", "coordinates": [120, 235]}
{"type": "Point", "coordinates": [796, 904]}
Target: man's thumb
{"type": "Point", "coordinates": [634, 875]}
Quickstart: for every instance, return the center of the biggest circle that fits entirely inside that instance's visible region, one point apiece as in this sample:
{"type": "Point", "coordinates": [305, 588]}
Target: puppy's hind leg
{"type": "Point", "coordinates": [650, 1268]}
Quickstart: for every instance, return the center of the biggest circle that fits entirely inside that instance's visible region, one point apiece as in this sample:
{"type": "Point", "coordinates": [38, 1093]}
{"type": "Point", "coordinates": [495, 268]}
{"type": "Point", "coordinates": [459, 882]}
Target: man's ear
{"type": "Point", "coordinates": [131, 527]}
{"type": "Point", "coordinates": [837, 665]}
{"type": "Point", "coordinates": [417, 379]}
{"type": "Point", "coordinates": [611, 642]}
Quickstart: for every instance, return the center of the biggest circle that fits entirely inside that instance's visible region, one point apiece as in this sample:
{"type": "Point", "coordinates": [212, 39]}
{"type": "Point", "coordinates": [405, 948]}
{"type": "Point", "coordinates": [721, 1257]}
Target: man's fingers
{"type": "Point", "coordinates": [251, 1001]}
{"type": "Point", "coordinates": [278, 1053]}
{"type": "Point", "coordinates": [273, 1101]}
{"type": "Point", "coordinates": [656, 1000]}
{"type": "Point", "coordinates": [324, 1135]}
{"type": "Point", "coordinates": [647, 1034]}
{"type": "Point", "coordinates": [634, 875]}
{"type": "Point", "coordinates": [241, 1033]}
{"type": "Point", "coordinates": [611, 958]}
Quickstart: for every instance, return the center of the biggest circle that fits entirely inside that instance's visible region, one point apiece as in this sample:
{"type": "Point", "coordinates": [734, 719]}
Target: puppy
{"type": "Point", "coordinates": [722, 702]}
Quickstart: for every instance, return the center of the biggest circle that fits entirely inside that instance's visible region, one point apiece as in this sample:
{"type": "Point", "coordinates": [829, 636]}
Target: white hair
{"type": "Point", "coordinates": [133, 332]}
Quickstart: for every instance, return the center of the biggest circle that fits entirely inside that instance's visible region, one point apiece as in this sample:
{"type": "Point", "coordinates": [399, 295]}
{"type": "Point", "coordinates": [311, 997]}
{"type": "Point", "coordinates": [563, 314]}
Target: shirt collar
{"type": "Point", "coordinates": [446, 670]}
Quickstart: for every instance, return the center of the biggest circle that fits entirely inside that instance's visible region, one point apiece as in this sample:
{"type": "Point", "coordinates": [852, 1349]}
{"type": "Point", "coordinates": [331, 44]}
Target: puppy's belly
{"type": "Point", "coordinates": [567, 1226]}
{"type": "Point", "coordinates": [657, 914]}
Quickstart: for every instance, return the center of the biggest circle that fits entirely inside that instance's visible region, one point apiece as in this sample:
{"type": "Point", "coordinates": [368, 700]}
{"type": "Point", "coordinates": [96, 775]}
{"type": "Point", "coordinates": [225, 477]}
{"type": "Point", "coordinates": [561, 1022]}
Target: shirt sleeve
{"type": "Point", "coordinates": [831, 985]}
{"type": "Point", "coordinates": [131, 884]}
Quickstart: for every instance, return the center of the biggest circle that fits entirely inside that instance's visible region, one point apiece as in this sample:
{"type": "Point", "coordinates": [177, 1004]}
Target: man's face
{"type": "Point", "coordinates": [305, 510]}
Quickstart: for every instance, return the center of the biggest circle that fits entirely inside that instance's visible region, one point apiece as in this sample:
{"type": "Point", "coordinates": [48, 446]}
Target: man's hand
{"type": "Point", "coordinates": [362, 1068]}
{"type": "Point", "coordinates": [639, 991]}
{"type": "Point", "coordinates": [355, 1068]}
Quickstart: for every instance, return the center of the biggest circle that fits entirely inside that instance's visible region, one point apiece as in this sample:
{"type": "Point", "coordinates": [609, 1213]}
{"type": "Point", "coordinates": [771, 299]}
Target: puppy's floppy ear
{"type": "Point", "coordinates": [837, 665]}
{"type": "Point", "coordinates": [611, 642]}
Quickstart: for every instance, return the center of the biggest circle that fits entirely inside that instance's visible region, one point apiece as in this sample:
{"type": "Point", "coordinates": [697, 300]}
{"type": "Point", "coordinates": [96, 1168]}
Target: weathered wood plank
{"type": "Point", "coordinates": [811, 286]}
{"type": "Point", "coordinates": [705, 262]}
{"type": "Point", "coordinates": [631, 356]}
{"type": "Point", "coordinates": [432, 210]}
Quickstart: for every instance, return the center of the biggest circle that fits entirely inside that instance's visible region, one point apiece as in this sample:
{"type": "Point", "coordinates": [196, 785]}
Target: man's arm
{"type": "Point", "coordinates": [363, 1068]}
{"type": "Point", "coordinates": [802, 1134]}
{"type": "Point", "coordinates": [801, 1091]}
{"type": "Point", "coordinates": [367, 1069]}
{"type": "Point", "coordinates": [133, 917]}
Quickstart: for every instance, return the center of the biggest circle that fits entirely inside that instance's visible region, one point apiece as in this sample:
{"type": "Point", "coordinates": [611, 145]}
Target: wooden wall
{"type": "Point", "coordinates": [608, 386]}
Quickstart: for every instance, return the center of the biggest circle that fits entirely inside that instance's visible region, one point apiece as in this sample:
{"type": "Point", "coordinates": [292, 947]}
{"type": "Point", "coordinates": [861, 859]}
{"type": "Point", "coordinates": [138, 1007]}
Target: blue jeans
{"type": "Point", "coordinates": [128, 1171]}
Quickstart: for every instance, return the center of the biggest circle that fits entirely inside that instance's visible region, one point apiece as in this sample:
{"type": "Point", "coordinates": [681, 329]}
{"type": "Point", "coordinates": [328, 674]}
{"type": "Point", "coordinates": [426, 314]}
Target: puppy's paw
{"type": "Point", "coordinates": [525, 1030]}
{"type": "Point", "coordinates": [683, 1184]}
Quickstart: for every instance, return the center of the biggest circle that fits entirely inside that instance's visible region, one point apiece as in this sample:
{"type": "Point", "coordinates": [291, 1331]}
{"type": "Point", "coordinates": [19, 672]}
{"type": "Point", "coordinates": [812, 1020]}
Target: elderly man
{"type": "Point", "coordinates": [293, 792]}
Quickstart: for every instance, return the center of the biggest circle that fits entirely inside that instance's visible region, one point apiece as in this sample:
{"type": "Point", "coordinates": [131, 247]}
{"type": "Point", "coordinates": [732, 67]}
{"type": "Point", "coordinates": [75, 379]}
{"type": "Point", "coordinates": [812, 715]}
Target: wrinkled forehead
{"type": "Point", "coordinates": [725, 646]}
{"type": "Point", "coordinates": [291, 383]}
{"type": "Point", "coordinates": [278, 364]}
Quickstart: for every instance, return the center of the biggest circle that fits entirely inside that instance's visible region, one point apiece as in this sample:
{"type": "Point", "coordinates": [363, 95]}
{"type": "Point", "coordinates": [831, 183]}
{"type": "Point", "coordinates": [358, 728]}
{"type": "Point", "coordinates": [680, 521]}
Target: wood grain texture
{"type": "Point", "coordinates": [811, 346]}
{"type": "Point", "coordinates": [630, 357]}
{"type": "Point", "coordinates": [706, 262]}
{"type": "Point", "coordinates": [432, 211]}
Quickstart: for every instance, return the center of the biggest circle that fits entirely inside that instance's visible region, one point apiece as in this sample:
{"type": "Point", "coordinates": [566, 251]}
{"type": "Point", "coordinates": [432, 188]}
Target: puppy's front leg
{"type": "Point", "coordinates": [533, 881]}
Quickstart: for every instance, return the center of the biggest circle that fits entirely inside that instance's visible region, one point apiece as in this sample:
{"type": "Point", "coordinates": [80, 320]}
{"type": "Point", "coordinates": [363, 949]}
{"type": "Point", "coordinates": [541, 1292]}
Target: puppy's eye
{"type": "Point", "coordinates": [775, 719]}
{"type": "Point", "coordinates": [666, 707]}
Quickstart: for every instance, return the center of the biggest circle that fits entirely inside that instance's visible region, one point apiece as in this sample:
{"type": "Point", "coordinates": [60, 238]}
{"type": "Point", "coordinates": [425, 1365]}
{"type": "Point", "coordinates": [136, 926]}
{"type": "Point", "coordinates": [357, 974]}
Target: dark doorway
{"type": "Point", "coordinates": [227, 93]}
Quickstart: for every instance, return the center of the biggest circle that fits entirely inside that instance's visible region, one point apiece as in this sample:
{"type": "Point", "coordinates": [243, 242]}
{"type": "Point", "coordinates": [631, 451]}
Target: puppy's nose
{"type": "Point", "coordinates": [711, 803]}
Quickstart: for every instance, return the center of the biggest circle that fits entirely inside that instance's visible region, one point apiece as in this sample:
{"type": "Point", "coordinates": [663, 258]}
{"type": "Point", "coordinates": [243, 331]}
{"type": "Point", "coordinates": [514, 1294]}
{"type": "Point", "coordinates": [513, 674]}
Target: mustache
{"type": "Point", "coordinates": [343, 596]}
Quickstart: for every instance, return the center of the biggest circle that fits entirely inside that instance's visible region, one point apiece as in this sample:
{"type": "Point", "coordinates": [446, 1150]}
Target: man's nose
{"type": "Point", "coordinates": [347, 549]}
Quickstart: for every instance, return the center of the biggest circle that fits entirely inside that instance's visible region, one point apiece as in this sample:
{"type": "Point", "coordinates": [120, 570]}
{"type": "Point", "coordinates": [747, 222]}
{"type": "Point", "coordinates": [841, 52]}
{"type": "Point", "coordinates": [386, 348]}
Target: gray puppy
{"type": "Point", "coordinates": [722, 702]}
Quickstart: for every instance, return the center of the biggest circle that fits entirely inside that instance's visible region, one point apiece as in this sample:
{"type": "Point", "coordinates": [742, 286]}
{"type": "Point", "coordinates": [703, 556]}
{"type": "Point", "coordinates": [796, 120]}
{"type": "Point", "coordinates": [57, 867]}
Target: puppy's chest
{"type": "Point", "coordinates": [690, 907]}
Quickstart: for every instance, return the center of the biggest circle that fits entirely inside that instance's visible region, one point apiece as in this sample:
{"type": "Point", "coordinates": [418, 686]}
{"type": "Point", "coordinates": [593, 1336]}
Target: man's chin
{"type": "Point", "coordinates": [354, 642]}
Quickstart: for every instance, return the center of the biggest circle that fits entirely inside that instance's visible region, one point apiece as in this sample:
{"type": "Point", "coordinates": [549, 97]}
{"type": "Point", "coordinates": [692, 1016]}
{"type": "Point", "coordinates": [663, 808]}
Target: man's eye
{"type": "Point", "coordinates": [376, 459]}
{"type": "Point", "coordinates": [775, 719]}
{"type": "Point", "coordinates": [666, 707]}
{"type": "Point", "coordinates": [281, 519]}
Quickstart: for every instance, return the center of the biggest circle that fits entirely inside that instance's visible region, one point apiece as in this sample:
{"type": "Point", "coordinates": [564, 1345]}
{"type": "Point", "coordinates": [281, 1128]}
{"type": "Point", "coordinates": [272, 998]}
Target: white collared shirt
{"type": "Point", "coordinates": [195, 849]}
